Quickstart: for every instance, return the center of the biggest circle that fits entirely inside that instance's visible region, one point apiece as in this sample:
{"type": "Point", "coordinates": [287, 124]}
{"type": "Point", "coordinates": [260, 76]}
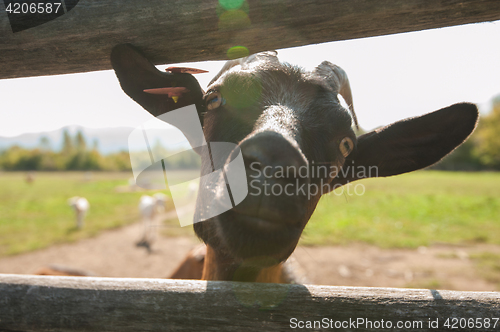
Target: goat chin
{"type": "Point", "coordinates": [196, 266]}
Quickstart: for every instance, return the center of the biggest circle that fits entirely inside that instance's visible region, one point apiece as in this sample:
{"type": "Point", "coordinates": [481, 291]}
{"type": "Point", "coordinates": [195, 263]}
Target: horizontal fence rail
{"type": "Point", "coordinates": [40, 303]}
{"type": "Point", "coordinates": [171, 31]}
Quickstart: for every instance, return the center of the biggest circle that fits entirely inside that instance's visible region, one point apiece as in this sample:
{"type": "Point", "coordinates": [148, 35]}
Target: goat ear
{"type": "Point", "coordinates": [136, 74]}
{"type": "Point", "coordinates": [409, 144]}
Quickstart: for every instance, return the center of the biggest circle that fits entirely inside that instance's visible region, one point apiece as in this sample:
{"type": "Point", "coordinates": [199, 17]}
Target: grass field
{"type": "Point", "coordinates": [404, 211]}
{"type": "Point", "coordinates": [411, 210]}
{"type": "Point", "coordinates": [36, 215]}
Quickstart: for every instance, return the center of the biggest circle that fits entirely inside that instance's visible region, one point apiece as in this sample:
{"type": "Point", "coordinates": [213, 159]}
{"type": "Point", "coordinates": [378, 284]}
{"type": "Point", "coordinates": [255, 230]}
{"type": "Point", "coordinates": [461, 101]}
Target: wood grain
{"type": "Point", "coordinates": [41, 303]}
{"type": "Point", "coordinates": [172, 31]}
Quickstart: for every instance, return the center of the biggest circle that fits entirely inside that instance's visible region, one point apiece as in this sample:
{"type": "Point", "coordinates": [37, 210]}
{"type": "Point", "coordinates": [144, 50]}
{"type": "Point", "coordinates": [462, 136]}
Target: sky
{"type": "Point", "coordinates": [392, 77]}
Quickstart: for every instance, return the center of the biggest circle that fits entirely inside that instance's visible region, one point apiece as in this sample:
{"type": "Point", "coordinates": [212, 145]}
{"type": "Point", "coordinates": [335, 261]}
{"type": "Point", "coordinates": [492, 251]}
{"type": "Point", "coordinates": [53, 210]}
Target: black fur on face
{"type": "Point", "coordinates": [282, 116]}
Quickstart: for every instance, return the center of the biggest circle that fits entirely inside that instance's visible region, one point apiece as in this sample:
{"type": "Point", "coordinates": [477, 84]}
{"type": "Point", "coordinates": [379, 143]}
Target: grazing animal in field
{"type": "Point", "coordinates": [147, 208]}
{"type": "Point", "coordinates": [284, 120]}
{"type": "Point", "coordinates": [80, 205]}
{"type": "Point", "coordinates": [150, 207]}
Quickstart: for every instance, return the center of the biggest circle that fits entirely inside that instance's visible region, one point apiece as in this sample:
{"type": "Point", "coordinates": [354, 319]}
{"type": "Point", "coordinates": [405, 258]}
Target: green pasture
{"type": "Point", "coordinates": [36, 215]}
{"type": "Point", "coordinates": [410, 210]}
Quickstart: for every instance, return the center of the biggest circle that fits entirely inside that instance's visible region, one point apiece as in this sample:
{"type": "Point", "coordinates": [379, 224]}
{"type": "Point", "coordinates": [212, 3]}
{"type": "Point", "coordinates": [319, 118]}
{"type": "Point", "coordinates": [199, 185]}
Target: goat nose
{"type": "Point", "coordinates": [269, 152]}
{"type": "Point", "coordinates": [275, 169]}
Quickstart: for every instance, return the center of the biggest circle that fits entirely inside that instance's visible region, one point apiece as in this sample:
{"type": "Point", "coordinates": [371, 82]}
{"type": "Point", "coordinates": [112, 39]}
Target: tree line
{"type": "Point", "coordinates": [482, 150]}
{"type": "Point", "coordinates": [77, 155]}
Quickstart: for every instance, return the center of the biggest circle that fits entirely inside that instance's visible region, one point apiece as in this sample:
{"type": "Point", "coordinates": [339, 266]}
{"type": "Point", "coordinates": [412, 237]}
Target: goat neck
{"type": "Point", "coordinates": [222, 267]}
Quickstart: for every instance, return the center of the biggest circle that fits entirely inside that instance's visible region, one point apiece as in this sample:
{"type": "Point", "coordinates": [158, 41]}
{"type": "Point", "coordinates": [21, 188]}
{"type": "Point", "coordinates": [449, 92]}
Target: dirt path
{"type": "Point", "coordinates": [113, 254]}
{"type": "Point", "coordinates": [436, 267]}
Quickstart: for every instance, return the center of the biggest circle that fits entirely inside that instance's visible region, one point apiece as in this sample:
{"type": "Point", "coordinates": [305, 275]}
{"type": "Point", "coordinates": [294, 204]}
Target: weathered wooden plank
{"type": "Point", "coordinates": [171, 31]}
{"type": "Point", "coordinates": [36, 303]}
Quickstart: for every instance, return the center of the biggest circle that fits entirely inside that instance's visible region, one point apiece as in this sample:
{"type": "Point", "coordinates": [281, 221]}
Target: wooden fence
{"type": "Point", "coordinates": [171, 31]}
{"type": "Point", "coordinates": [40, 303]}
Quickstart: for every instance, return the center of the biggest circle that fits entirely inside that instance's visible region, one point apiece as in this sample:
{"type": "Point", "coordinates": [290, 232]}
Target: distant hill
{"type": "Point", "coordinates": [110, 140]}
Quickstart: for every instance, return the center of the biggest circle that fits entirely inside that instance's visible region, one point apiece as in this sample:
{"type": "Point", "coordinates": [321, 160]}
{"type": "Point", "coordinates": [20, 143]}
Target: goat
{"type": "Point", "coordinates": [150, 207]}
{"type": "Point", "coordinates": [147, 208]}
{"type": "Point", "coordinates": [80, 205]}
{"type": "Point", "coordinates": [283, 118]}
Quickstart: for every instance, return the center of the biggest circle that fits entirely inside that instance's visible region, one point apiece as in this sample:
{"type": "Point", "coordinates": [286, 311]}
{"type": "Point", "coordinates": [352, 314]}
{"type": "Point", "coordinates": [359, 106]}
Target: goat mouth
{"type": "Point", "coordinates": [246, 236]}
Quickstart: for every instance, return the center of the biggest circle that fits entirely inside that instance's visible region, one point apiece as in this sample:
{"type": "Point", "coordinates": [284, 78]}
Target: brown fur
{"type": "Point", "coordinates": [192, 266]}
{"type": "Point", "coordinates": [214, 269]}
{"type": "Point", "coordinates": [56, 270]}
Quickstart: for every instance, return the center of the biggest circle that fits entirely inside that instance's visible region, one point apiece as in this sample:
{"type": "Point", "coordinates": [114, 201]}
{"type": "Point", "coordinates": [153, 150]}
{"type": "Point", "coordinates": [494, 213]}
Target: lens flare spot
{"type": "Point", "coordinates": [220, 9]}
{"type": "Point", "coordinates": [231, 4]}
{"type": "Point", "coordinates": [235, 84]}
{"type": "Point", "coordinates": [234, 19]}
{"type": "Point", "coordinates": [236, 52]}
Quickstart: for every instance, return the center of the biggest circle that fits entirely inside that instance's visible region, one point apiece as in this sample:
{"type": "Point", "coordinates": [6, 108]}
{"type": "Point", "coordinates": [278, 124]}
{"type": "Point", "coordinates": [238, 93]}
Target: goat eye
{"type": "Point", "coordinates": [214, 100]}
{"type": "Point", "coordinates": [346, 146]}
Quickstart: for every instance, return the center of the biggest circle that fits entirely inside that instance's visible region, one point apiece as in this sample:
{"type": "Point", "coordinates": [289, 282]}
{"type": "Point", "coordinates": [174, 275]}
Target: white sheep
{"type": "Point", "coordinates": [81, 206]}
